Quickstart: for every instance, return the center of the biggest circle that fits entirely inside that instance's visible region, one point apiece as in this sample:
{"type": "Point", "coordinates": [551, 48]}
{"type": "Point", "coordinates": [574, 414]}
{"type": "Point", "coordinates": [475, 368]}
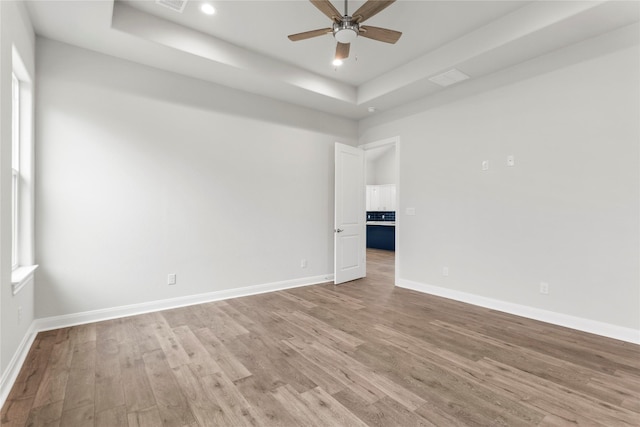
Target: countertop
{"type": "Point", "coordinates": [385, 223]}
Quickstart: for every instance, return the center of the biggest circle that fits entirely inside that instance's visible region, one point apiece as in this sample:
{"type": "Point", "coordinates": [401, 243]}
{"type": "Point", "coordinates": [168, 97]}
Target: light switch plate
{"type": "Point", "coordinates": [485, 165]}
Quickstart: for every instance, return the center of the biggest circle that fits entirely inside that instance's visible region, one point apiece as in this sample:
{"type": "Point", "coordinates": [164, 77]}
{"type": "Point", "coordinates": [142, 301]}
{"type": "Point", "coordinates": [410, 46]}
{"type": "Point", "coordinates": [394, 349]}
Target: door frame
{"type": "Point", "coordinates": [383, 143]}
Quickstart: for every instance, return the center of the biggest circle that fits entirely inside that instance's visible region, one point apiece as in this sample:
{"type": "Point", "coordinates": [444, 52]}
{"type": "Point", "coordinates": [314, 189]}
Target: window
{"type": "Point", "coordinates": [15, 167]}
{"type": "Point", "coordinates": [22, 216]}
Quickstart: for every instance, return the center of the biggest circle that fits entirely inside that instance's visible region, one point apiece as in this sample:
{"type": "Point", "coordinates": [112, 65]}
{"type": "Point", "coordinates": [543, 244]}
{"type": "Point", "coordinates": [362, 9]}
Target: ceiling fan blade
{"type": "Point", "coordinates": [328, 9]}
{"type": "Point", "coordinates": [342, 50]}
{"type": "Point", "coordinates": [370, 8]}
{"type": "Point", "coordinates": [380, 34]}
{"type": "Point", "coordinates": [309, 34]}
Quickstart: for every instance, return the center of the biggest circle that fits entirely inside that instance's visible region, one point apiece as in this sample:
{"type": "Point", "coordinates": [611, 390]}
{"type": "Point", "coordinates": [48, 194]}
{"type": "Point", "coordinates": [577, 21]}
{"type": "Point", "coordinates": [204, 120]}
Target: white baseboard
{"type": "Point", "coordinates": [48, 323]}
{"type": "Point", "coordinates": [573, 322]}
{"type": "Point", "coordinates": [10, 374]}
{"type": "Point", "coordinates": [56, 322]}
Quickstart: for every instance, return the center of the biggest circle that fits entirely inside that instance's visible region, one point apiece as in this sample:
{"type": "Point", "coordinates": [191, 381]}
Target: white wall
{"type": "Point", "coordinates": [385, 167]}
{"type": "Point", "coordinates": [15, 30]}
{"type": "Point", "coordinates": [567, 213]}
{"type": "Point", "coordinates": [142, 173]}
{"type": "Point", "coordinates": [381, 165]}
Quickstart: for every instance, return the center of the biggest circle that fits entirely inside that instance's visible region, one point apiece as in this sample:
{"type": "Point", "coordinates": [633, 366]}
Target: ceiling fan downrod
{"type": "Point", "coordinates": [346, 30]}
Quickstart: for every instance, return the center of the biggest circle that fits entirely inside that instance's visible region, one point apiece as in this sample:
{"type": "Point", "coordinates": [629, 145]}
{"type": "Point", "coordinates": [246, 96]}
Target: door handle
{"type": "Point", "coordinates": [338, 230]}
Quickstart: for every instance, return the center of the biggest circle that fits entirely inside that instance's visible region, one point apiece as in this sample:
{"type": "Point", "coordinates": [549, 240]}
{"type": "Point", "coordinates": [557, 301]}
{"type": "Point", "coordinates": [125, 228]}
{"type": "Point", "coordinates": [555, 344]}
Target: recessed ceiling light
{"type": "Point", "coordinates": [337, 62]}
{"type": "Point", "coordinates": [371, 109]}
{"type": "Point", "coordinates": [207, 9]}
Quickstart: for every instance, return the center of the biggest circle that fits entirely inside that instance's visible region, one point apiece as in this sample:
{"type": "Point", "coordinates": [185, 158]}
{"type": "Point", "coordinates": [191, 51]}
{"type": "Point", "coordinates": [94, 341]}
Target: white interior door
{"type": "Point", "coordinates": [349, 225]}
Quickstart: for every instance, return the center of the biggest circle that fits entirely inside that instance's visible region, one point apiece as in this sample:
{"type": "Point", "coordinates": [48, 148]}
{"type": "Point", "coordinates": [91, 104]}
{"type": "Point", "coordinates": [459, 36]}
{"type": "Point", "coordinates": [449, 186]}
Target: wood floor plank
{"type": "Point", "coordinates": [384, 412]}
{"type": "Point", "coordinates": [266, 408]}
{"type": "Point", "coordinates": [184, 316]}
{"type": "Point", "coordinates": [198, 355]}
{"type": "Point", "coordinates": [138, 394]}
{"type": "Point", "coordinates": [298, 408]}
{"type": "Point", "coordinates": [444, 379]}
{"type": "Point", "coordinates": [296, 299]}
{"type": "Point", "coordinates": [356, 368]}
{"type": "Point", "coordinates": [232, 402]}
{"type": "Point", "coordinates": [112, 417]}
{"type": "Point", "coordinates": [272, 367]}
{"type": "Point", "coordinates": [16, 411]}
{"type": "Point", "coordinates": [235, 314]}
{"type": "Point", "coordinates": [361, 353]}
{"type": "Point", "coordinates": [341, 374]}
{"type": "Point", "coordinates": [312, 371]}
{"type": "Point", "coordinates": [108, 383]}
{"type": "Point", "coordinates": [262, 320]}
{"type": "Point", "coordinates": [144, 332]}
{"type": "Point", "coordinates": [202, 402]}
{"type": "Point", "coordinates": [174, 353]}
{"type": "Point", "coordinates": [174, 408]}
{"type": "Point", "coordinates": [222, 324]}
{"type": "Point", "coordinates": [337, 298]}
{"type": "Point", "coordinates": [320, 328]}
{"type": "Point", "coordinates": [229, 363]}
{"type": "Point", "coordinates": [551, 396]}
{"type": "Point", "coordinates": [45, 415]}
{"type": "Point", "coordinates": [78, 416]}
{"type": "Point", "coordinates": [328, 408]}
{"type": "Point", "coordinates": [54, 380]}
{"type": "Point", "coordinates": [149, 417]}
{"type": "Point", "coordinates": [80, 387]}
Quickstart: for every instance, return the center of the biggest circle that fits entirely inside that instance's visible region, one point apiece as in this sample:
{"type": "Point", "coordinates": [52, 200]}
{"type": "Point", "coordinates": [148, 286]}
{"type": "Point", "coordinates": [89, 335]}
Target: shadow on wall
{"type": "Point", "coordinates": [134, 79]}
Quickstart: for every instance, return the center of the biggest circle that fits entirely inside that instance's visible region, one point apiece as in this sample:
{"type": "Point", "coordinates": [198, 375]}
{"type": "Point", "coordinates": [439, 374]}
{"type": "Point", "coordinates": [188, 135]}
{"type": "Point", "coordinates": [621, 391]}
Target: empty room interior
{"type": "Point", "coordinates": [319, 213]}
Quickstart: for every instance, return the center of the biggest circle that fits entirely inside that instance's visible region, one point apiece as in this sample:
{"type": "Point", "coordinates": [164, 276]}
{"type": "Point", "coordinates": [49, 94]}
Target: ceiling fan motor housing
{"type": "Point", "coordinates": [346, 30]}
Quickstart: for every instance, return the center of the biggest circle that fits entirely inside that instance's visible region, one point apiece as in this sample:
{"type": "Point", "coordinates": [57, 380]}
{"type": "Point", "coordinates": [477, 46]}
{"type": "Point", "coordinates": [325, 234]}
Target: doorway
{"type": "Point", "coordinates": [382, 173]}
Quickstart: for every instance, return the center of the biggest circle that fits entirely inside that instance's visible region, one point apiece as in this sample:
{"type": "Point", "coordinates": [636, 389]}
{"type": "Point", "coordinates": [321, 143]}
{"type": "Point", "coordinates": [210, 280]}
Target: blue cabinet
{"type": "Point", "coordinates": [381, 237]}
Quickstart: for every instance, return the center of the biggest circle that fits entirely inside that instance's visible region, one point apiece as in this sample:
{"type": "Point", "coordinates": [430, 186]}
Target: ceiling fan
{"type": "Point", "coordinates": [346, 28]}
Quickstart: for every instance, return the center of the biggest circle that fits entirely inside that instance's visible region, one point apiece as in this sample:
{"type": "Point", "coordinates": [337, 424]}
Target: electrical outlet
{"type": "Point", "coordinates": [511, 160]}
{"type": "Point", "coordinates": [171, 279]}
{"type": "Point", "coordinates": [303, 263]}
{"type": "Point", "coordinates": [445, 271]}
{"type": "Point", "coordinates": [544, 288]}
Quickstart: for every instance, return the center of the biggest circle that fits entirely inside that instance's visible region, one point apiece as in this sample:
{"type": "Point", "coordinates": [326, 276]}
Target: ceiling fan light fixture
{"type": "Point", "coordinates": [345, 31]}
{"type": "Point", "coordinates": [345, 35]}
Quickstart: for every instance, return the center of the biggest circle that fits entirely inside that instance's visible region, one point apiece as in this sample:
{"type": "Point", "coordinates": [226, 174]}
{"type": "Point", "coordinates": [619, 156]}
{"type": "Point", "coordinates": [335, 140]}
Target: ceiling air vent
{"type": "Point", "coordinates": [177, 5]}
{"type": "Point", "coordinates": [449, 77]}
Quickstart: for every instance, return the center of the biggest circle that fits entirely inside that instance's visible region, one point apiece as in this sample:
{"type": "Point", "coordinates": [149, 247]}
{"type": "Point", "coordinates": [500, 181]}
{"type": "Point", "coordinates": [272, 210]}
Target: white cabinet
{"type": "Point", "coordinates": [381, 197]}
{"type": "Point", "coordinates": [372, 197]}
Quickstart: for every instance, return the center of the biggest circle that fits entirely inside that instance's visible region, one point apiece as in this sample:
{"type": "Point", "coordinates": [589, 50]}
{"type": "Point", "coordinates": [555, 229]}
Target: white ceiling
{"type": "Point", "coordinates": [245, 45]}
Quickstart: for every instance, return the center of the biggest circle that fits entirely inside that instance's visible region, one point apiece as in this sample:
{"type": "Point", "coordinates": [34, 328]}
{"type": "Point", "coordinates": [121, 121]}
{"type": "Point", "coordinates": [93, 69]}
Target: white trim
{"type": "Point", "coordinates": [565, 320]}
{"type": "Point", "coordinates": [10, 374]}
{"type": "Point", "coordinates": [380, 143]}
{"type": "Point", "coordinates": [20, 276]}
{"type": "Point", "coordinates": [56, 322]}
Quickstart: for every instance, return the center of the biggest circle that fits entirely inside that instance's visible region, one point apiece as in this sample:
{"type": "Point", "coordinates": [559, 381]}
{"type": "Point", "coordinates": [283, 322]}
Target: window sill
{"type": "Point", "coordinates": [20, 276]}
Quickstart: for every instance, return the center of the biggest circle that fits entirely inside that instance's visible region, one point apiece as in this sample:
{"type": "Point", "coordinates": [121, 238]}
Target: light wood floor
{"type": "Point", "coordinates": [362, 353]}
